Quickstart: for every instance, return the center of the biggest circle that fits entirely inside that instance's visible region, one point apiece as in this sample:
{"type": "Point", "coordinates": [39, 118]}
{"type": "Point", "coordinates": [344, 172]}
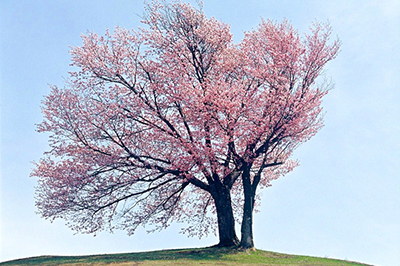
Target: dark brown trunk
{"type": "Point", "coordinates": [247, 221]}
{"type": "Point", "coordinates": [226, 220]}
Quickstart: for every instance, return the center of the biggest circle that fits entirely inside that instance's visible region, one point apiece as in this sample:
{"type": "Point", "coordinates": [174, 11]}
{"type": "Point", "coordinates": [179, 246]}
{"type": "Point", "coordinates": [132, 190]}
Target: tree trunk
{"type": "Point", "coordinates": [226, 220]}
{"type": "Point", "coordinates": [247, 221]}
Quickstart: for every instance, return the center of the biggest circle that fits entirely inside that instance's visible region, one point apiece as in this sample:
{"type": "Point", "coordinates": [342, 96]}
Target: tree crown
{"type": "Point", "coordinates": [155, 120]}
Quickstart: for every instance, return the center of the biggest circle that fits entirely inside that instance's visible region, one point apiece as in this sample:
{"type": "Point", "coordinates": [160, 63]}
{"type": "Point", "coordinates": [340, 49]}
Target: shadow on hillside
{"type": "Point", "coordinates": [209, 253]}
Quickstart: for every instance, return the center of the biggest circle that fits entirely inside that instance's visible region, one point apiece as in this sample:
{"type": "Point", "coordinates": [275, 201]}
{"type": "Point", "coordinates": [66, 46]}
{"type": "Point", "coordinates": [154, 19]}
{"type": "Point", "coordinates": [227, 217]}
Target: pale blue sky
{"type": "Point", "coordinates": [343, 201]}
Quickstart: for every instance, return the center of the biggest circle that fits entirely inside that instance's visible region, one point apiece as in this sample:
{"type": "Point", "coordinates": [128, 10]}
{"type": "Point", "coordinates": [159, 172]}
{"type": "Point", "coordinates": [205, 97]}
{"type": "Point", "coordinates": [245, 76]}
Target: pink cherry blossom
{"type": "Point", "coordinates": [175, 122]}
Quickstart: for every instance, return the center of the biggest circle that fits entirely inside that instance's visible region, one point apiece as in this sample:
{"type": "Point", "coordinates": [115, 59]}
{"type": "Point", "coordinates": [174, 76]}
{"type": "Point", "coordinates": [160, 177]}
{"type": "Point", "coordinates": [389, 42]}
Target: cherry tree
{"type": "Point", "coordinates": [176, 123]}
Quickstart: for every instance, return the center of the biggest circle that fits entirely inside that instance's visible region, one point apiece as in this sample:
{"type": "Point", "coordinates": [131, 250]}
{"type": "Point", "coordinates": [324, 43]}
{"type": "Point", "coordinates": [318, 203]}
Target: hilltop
{"type": "Point", "coordinates": [190, 257]}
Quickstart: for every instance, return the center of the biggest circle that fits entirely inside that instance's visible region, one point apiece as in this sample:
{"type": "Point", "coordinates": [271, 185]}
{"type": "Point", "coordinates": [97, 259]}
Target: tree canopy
{"type": "Point", "coordinates": [175, 122]}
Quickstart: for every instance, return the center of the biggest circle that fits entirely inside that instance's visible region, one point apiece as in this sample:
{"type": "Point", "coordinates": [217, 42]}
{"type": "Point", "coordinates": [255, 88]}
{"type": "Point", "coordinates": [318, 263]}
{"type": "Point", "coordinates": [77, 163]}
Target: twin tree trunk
{"type": "Point", "coordinates": [248, 207]}
{"type": "Point", "coordinates": [226, 220]}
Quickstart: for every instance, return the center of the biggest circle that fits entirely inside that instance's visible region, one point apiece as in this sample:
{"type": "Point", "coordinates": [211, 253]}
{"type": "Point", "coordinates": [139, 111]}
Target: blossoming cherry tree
{"type": "Point", "coordinates": [175, 122]}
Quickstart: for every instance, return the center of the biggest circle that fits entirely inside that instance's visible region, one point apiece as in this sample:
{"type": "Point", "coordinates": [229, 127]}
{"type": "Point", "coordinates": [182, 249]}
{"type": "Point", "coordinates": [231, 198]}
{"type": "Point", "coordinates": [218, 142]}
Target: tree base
{"type": "Point", "coordinates": [230, 244]}
{"type": "Point", "coordinates": [248, 250]}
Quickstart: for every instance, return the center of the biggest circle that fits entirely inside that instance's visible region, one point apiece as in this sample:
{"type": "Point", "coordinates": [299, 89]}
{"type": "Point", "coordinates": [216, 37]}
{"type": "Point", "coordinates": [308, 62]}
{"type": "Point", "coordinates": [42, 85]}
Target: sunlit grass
{"type": "Point", "coordinates": [200, 256]}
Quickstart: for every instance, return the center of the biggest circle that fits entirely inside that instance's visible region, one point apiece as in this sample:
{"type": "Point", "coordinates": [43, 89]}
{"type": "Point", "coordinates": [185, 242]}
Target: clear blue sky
{"type": "Point", "coordinates": [343, 201]}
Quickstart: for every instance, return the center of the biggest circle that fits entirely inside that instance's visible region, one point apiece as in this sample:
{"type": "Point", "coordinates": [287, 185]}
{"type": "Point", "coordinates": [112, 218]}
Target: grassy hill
{"type": "Point", "coordinates": [190, 257]}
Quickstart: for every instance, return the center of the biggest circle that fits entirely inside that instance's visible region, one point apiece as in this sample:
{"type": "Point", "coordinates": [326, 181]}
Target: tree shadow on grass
{"type": "Point", "coordinates": [209, 253]}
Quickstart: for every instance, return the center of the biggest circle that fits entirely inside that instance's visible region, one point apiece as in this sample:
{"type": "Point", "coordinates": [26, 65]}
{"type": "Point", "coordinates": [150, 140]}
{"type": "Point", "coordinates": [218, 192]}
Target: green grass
{"type": "Point", "coordinates": [195, 257]}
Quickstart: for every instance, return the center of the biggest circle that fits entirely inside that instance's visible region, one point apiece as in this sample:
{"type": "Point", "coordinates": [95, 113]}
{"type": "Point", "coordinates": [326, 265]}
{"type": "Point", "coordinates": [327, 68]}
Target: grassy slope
{"type": "Point", "coordinates": [201, 256]}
